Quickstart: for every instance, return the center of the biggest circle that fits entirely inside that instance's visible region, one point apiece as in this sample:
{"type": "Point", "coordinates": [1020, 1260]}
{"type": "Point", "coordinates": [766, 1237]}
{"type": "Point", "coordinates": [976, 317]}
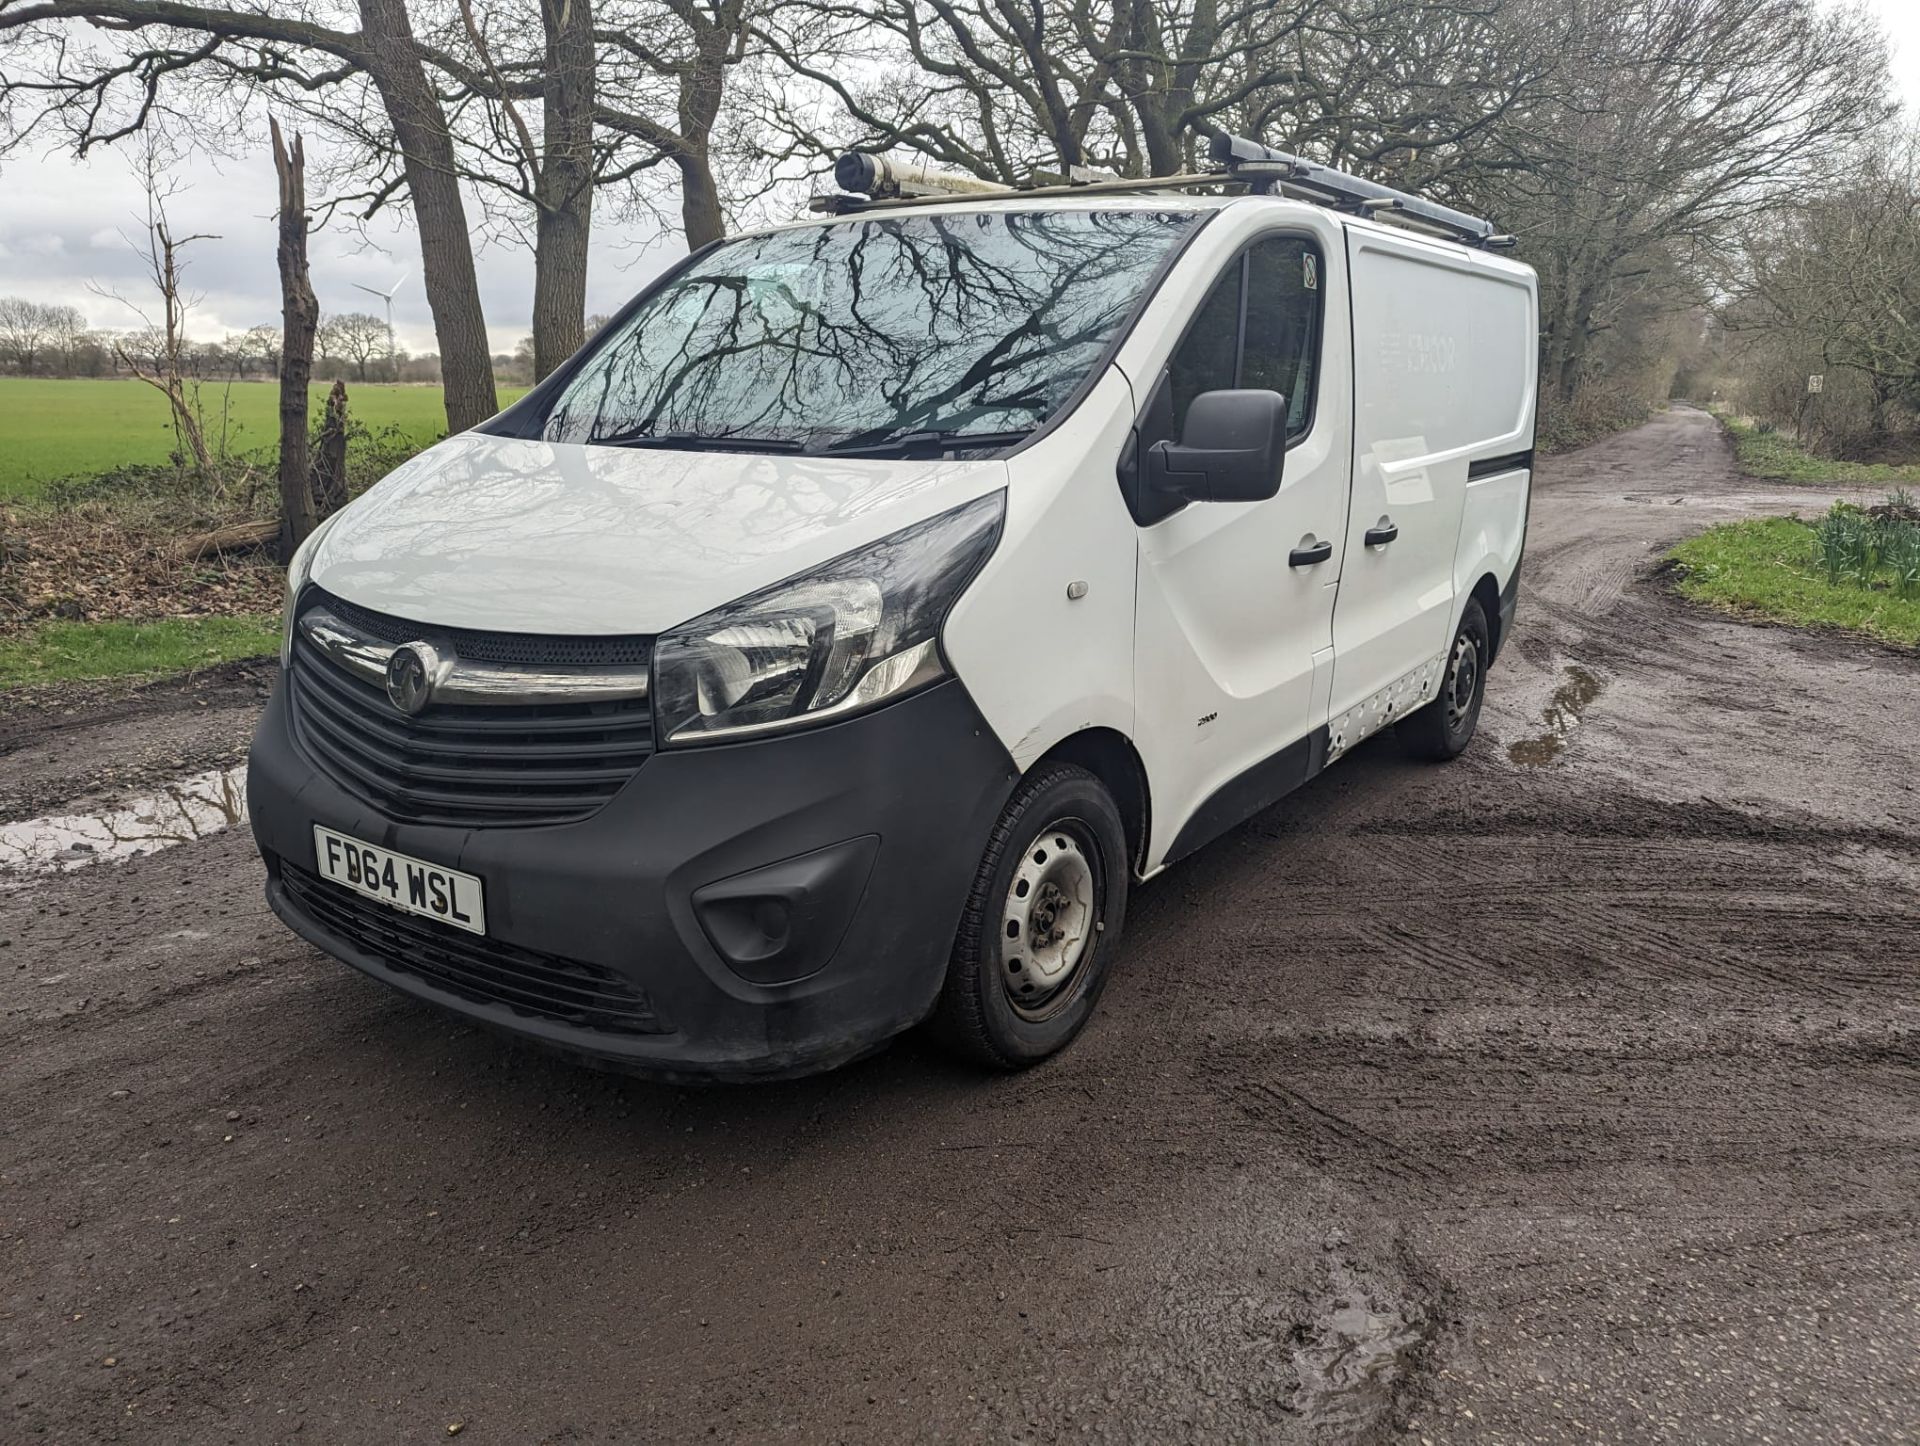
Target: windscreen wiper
{"type": "Point", "coordinates": [943, 440]}
{"type": "Point", "coordinates": [703, 442]}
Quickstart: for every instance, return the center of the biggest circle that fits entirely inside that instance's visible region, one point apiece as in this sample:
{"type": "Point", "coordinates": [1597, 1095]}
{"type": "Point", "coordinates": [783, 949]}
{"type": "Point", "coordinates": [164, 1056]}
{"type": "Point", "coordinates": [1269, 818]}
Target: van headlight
{"type": "Point", "coordinates": [297, 570]}
{"type": "Point", "coordinates": [852, 633]}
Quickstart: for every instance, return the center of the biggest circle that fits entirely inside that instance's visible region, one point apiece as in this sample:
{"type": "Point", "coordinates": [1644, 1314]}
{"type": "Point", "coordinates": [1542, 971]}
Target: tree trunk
{"type": "Point", "coordinates": [329, 475]}
{"type": "Point", "coordinates": [700, 215]}
{"type": "Point", "coordinates": [702, 87]}
{"type": "Point", "coordinates": [446, 248]}
{"type": "Point", "coordinates": [564, 193]}
{"type": "Point", "coordinates": [560, 282]}
{"type": "Point", "coordinates": [299, 319]}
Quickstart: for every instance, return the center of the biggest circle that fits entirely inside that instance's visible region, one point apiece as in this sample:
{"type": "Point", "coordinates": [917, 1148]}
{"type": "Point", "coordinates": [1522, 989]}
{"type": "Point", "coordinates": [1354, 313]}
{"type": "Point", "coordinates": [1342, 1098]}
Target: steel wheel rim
{"type": "Point", "coordinates": [1049, 919]}
{"type": "Point", "coordinates": [1463, 680]}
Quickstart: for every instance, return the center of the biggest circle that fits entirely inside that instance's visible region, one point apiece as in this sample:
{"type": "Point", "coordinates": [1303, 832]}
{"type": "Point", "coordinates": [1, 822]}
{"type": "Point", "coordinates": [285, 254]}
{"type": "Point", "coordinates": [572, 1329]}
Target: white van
{"type": "Point", "coordinates": [832, 644]}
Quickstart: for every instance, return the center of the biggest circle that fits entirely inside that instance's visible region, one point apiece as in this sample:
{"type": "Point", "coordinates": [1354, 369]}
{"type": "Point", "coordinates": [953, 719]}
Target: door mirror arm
{"type": "Point", "coordinates": [1232, 449]}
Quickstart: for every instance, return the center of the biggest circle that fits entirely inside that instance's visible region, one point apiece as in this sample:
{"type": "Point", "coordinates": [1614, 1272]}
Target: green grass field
{"type": "Point", "coordinates": [1767, 567]}
{"type": "Point", "coordinates": [54, 429]}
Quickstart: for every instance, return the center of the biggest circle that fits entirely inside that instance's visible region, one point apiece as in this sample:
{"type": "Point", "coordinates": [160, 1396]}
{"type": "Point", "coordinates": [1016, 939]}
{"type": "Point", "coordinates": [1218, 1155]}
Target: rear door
{"type": "Point", "coordinates": [1235, 600]}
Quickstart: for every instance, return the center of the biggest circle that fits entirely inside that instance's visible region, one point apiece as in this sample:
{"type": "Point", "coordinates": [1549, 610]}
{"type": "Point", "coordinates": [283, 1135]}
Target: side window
{"type": "Point", "coordinates": [1282, 348]}
{"type": "Point", "coordinates": [1205, 360]}
{"type": "Point", "coordinates": [1270, 338]}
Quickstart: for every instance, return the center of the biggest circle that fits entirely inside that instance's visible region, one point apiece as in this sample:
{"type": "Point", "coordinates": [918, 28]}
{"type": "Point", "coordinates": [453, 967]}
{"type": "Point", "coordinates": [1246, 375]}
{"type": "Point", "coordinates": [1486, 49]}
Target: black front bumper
{"type": "Point", "coordinates": [861, 838]}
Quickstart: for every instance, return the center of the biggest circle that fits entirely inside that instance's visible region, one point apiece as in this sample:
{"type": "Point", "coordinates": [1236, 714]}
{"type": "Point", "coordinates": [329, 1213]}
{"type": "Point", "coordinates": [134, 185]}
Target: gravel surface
{"type": "Point", "coordinates": [1567, 1092]}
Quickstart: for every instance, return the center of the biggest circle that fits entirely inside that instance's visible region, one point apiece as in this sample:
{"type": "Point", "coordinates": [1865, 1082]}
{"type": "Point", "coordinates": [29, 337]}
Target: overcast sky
{"type": "Point", "coordinates": [64, 224]}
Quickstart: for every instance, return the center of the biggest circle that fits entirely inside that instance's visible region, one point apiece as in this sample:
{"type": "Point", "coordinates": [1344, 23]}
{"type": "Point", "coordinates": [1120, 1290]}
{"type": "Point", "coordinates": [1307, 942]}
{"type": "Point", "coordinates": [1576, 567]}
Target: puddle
{"type": "Point", "coordinates": [1356, 1359]}
{"type": "Point", "coordinates": [1562, 716]}
{"type": "Point", "coordinates": [186, 809]}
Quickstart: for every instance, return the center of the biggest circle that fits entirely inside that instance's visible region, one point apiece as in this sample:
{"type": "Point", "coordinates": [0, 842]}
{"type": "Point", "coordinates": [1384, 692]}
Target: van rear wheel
{"type": "Point", "coordinates": [1041, 924]}
{"type": "Point", "coordinates": [1443, 728]}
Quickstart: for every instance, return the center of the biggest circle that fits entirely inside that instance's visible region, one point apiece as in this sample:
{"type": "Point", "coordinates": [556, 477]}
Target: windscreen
{"type": "Point", "coordinates": [867, 333]}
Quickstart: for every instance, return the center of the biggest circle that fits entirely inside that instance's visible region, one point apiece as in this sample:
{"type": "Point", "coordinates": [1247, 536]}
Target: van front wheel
{"type": "Point", "coordinates": [1444, 727]}
{"type": "Point", "coordinates": [1041, 924]}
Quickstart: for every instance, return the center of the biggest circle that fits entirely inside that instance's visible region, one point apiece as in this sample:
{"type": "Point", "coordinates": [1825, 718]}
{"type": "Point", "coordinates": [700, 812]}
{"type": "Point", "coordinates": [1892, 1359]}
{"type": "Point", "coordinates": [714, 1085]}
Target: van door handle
{"type": "Point", "coordinates": [1383, 534]}
{"type": "Point", "coordinates": [1308, 556]}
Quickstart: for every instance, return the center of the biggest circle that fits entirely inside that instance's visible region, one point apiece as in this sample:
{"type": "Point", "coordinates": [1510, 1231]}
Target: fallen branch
{"type": "Point", "coordinates": [233, 537]}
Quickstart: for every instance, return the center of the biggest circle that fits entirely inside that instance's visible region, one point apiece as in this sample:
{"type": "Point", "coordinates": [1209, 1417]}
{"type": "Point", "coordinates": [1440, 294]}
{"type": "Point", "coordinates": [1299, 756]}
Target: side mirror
{"type": "Point", "coordinates": [1231, 449]}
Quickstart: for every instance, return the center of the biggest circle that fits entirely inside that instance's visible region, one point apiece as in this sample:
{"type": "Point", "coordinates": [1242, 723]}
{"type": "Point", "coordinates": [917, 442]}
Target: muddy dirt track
{"type": "Point", "coordinates": [1564, 1099]}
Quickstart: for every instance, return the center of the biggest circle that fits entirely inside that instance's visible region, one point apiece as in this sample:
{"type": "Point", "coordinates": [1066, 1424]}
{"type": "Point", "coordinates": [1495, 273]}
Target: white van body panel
{"type": "Point", "coordinates": [1229, 637]}
{"type": "Point", "coordinates": [1443, 378]}
{"type": "Point", "coordinates": [538, 537]}
{"type": "Point", "coordinates": [1493, 527]}
{"type": "Point", "coordinates": [1041, 664]}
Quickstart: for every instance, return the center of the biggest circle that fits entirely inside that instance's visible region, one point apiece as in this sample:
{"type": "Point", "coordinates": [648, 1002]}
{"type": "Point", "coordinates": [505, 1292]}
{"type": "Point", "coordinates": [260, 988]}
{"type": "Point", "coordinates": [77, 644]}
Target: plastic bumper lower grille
{"type": "Point", "coordinates": [486, 971]}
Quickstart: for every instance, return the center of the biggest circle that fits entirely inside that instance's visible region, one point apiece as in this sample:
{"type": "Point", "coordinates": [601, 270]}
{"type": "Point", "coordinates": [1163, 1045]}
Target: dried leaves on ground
{"type": "Point", "coordinates": [90, 564]}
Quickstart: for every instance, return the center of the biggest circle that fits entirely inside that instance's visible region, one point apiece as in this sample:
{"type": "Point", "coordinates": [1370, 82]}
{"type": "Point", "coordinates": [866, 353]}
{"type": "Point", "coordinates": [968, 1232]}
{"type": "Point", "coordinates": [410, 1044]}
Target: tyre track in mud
{"type": "Point", "coordinates": [1492, 1102]}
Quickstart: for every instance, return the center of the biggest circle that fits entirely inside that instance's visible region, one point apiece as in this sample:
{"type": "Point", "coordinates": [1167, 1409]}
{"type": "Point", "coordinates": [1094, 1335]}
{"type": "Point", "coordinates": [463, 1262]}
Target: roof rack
{"type": "Point", "coordinates": [1262, 170]}
{"type": "Point", "coordinates": [1264, 167]}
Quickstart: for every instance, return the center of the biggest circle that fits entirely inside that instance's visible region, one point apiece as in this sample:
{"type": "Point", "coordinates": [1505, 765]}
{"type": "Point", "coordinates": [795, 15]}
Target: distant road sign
{"type": "Point", "coordinates": [1817, 382]}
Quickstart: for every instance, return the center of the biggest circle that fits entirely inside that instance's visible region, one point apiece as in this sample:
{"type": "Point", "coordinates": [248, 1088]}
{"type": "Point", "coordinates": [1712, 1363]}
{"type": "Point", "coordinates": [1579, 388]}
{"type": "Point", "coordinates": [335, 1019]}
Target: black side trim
{"type": "Point", "coordinates": [1260, 787]}
{"type": "Point", "coordinates": [1494, 466]}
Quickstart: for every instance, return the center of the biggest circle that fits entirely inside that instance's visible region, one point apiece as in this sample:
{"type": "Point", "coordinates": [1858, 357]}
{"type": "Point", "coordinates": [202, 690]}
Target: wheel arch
{"type": "Point", "coordinates": [1486, 592]}
{"type": "Point", "coordinates": [1109, 755]}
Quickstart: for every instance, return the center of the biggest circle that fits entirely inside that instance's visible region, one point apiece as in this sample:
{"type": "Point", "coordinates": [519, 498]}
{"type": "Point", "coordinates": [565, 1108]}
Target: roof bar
{"type": "Point", "coordinates": [844, 204]}
{"type": "Point", "coordinates": [870, 182]}
{"type": "Point", "coordinates": [1250, 161]}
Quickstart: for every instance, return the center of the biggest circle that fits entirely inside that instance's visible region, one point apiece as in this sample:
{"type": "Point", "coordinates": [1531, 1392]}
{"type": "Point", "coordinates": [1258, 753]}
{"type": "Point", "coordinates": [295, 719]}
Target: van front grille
{"type": "Point", "coordinates": [486, 971]}
{"type": "Point", "coordinates": [516, 763]}
{"type": "Point", "coordinates": [530, 650]}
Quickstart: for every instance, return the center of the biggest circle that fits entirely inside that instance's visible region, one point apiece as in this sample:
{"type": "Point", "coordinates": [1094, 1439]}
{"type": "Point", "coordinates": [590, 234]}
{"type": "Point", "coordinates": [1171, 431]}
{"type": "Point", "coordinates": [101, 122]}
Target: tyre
{"type": "Point", "coordinates": [1444, 727]}
{"type": "Point", "coordinates": [1041, 925]}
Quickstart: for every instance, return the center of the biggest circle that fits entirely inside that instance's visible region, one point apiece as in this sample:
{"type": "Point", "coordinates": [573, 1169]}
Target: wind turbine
{"type": "Point", "coordinates": [387, 296]}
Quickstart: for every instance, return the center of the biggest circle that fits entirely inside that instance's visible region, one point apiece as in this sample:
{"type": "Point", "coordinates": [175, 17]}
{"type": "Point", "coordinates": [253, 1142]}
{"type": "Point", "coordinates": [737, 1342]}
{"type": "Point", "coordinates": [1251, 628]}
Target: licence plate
{"type": "Point", "coordinates": [408, 884]}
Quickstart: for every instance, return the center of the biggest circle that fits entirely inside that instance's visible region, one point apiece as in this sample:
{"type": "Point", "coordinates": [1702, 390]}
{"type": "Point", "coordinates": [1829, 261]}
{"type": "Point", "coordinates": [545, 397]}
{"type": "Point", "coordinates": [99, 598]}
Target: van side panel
{"type": "Point", "coordinates": [1444, 344]}
{"type": "Point", "coordinates": [1040, 663]}
{"type": "Point", "coordinates": [1493, 525]}
{"type": "Point", "coordinates": [1492, 529]}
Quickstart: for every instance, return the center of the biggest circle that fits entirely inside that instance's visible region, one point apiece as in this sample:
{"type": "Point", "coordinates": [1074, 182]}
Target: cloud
{"type": "Point", "coordinates": [66, 228]}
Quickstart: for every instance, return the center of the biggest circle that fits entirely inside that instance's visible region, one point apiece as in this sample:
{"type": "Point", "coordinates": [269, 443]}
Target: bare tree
{"type": "Point", "coordinates": [162, 355]}
{"type": "Point", "coordinates": [28, 329]}
{"type": "Point", "coordinates": [1834, 286]}
{"type": "Point", "coordinates": [105, 96]}
{"type": "Point", "coordinates": [1008, 91]}
{"type": "Point", "coordinates": [300, 319]}
{"type": "Point", "coordinates": [357, 337]}
{"type": "Point", "coordinates": [262, 346]}
{"type": "Point", "coordinates": [1670, 123]}
{"type": "Point", "coordinates": [70, 336]}
{"type": "Point", "coordinates": [624, 88]}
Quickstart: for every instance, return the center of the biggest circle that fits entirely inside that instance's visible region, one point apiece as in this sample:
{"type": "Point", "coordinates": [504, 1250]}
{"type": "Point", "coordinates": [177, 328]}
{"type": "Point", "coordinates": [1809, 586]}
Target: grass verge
{"type": "Point", "coordinates": [66, 652]}
{"type": "Point", "coordinates": [1776, 457]}
{"type": "Point", "coordinates": [1767, 567]}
